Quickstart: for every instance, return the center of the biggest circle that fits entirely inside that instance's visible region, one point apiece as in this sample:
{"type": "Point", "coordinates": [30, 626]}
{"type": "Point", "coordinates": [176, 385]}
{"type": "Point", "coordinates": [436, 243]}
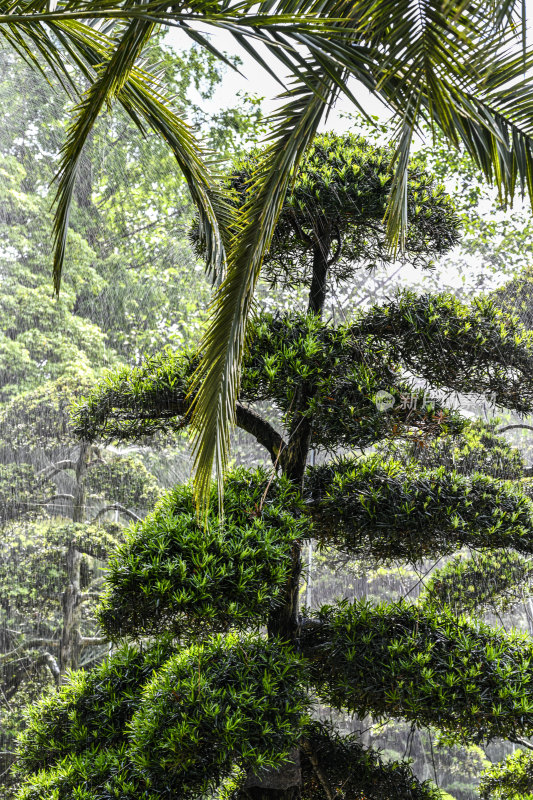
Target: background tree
{"type": "Point", "coordinates": [212, 700]}
{"type": "Point", "coordinates": [133, 283]}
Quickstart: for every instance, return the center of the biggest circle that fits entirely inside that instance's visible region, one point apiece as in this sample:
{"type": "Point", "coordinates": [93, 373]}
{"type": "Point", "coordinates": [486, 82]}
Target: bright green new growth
{"type": "Point", "coordinates": [92, 710]}
{"type": "Point", "coordinates": [510, 780]}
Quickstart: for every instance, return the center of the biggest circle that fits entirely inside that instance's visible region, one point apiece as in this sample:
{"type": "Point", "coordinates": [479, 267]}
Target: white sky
{"type": "Point", "coordinates": [256, 81]}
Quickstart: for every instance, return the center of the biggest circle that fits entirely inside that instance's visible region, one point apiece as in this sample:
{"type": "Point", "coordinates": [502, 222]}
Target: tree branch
{"type": "Point", "coordinates": [93, 641]}
{"type": "Point", "coordinates": [251, 422]}
{"type": "Point", "coordinates": [29, 645]}
{"type": "Point", "coordinates": [59, 466]}
{"type": "Point", "coordinates": [330, 793]}
{"type": "Point", "coordinates": [56, 497]}
{"type": "Point", "coordinates": [117, 507]}
{"type": "Point", "coordinates": [49, 660]}
{"type": "Point", "coordinates": [513, 427]}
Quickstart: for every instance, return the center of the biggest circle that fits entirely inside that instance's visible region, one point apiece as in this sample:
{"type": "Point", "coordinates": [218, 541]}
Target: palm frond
{"type": "Point", "coordinates": [216, 382]}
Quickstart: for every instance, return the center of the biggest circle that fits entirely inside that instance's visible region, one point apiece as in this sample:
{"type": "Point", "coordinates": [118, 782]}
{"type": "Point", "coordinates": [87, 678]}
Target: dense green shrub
{"type": "Point", "coordinates": [175, 573]}
{"type": "Point", "coordinates": [91, 710]}
{"type": "Point", "coordinates": [232, 700]}
{"type": "Point", "coordinates": [95, 774]}
{"type": "Point", "coordinates": [386, 510]}
{"type": "Point", "coordinates": [409, 662]}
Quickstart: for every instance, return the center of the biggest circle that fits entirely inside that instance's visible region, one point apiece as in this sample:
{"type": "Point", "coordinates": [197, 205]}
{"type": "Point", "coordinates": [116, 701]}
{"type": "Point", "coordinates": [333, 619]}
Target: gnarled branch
{"type": "Point", "coordinates": [117, 507]}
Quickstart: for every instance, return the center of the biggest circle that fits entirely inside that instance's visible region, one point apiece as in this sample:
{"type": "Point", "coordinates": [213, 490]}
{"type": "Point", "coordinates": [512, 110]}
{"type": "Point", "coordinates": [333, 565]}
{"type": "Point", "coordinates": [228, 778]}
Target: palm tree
{"type": "Point", "coordinates": [459, 65]}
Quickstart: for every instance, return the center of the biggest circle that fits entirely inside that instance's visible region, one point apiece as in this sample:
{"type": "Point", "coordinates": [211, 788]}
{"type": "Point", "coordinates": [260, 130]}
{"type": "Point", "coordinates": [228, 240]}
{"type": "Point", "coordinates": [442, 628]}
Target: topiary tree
{"type": "Point", "coordinates": [215, 690]}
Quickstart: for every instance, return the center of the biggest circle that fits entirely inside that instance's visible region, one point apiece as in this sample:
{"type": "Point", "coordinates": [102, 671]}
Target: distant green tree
{"type": "Point", "coordinates": [222, 695]}
{"type": "Point", "coordinates": [133, 283]}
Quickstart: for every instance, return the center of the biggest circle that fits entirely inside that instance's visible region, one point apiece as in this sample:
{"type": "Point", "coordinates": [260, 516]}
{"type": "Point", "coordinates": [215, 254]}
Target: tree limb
{"type": "Point", "coordinates": [56, 497]}
{"type": "Point", "coordinates": [263, 431]}
{"type": "Point", "coordinates": [93, 641]}
{"type": "Point", "coordinates": [59, 466]}
{"type": "Point", "coordinates": [117, 507]}
{"type": "Point", "coordinates": [513, 427]}
{"type": "Point", "coordinates": [49, 660]}
{"type": "Point", "coordinates": [330, 793]}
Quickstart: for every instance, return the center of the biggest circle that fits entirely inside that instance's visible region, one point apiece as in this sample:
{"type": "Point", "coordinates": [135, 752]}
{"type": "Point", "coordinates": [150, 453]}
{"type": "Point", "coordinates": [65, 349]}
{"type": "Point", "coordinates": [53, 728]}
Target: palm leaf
{"type": "Point", "coordinates": [216, 383]}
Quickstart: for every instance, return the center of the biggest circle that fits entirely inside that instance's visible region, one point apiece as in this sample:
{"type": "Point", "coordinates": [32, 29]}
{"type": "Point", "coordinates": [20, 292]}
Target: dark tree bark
{"type": "Point", "coordinates": [284, 623]}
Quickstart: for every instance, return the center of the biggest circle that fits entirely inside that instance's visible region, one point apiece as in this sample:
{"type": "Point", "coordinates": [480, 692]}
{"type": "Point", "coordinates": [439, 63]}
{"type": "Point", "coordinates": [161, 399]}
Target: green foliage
{"type": "Point", "coordinates": [33, 566]}
{"type": "Point", "coordinates": [510, 780]}
{"type": "Point", "coordinates": [497, 580]}
{"type": "Point", "coordinates": [386, 510]}
{"type": "Point", "coordinates": [344, 372]}
{"type": "Point", "coordinates": [21, 490]}
{"type": "Point", "coordinates": [125, 480]}
{"type": "Point", "coordinates": [476, 448]}
{"type": "Point", "coordinates": [175, 573]}
{"type": "Point", "coordinates": [40, 418]}
{"type": "Point", "coordinates": [357, 771]}
{"type": "Point", "coordinates": [471, 349]}
{"type": "Point", "coordinates": [232, 700]}
{"type": "Point", "coordinates": [92, 775]}
{"type": "Point", "coordinates": [515, 297]}
{"type": "Point", "coordinates": [134, 402]}
{"type": "Point", "coordinates": [426, 667]}
{"type": "Point", "coordinates": [180, 731]}
{"type": "Point", "coordinates": [339, 197]}
{"type": "Point", "coordinates": [91, 711]}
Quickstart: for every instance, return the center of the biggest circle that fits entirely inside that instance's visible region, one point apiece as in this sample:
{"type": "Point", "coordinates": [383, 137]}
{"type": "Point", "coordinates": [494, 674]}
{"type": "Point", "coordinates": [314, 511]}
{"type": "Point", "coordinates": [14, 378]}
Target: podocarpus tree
{"type": "Point", "coordinates": [217, 691]}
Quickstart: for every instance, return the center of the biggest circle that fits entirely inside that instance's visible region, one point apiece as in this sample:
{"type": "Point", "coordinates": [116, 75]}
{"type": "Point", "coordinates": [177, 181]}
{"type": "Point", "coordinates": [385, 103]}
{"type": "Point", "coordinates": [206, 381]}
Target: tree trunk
{"type": "Point", "coordinates": [286, 783]}
{"type": "Point", "coordinates": [70, 647]}
{"type": "Point", "coordinates": [80, 494]}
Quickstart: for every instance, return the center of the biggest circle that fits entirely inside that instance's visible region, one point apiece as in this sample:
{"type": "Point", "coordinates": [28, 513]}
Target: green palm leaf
{"type": "Point", "coordinates": [217, 380]}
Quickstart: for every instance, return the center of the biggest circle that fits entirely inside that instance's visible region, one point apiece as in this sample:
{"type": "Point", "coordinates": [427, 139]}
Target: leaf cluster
{"type": "Point", "coordinates": [511, 779]}
{"type": "Point", "coordinates": [338, 199]}
{"type": "Point", "coordinates": [176, 573]}
{"type": "Point", "coordinates": [234, 700]}
{"type": "Point", "coordinates": [474, 349]}
{"type": "Point", "coordinates": [91, 710]}
{"type": "Point", "coordinates": [498, 580]}
{"type": "Point", "coordinates": [469, 349]}
{"type": "Point", "coordinates": [342, 371]}
{"type": "Point", "coordinates": [21, 490]}
{"type": "Point", "coordinates": [424, 666]}
{"type": "Point", "coordinates": [33, 570]}
{"type": "Point", "coordinates": [125, 480]}
{"type": "Point", "coordinates": [118, 731]}
{"type": "Point", "coordinates": [383, 509]}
